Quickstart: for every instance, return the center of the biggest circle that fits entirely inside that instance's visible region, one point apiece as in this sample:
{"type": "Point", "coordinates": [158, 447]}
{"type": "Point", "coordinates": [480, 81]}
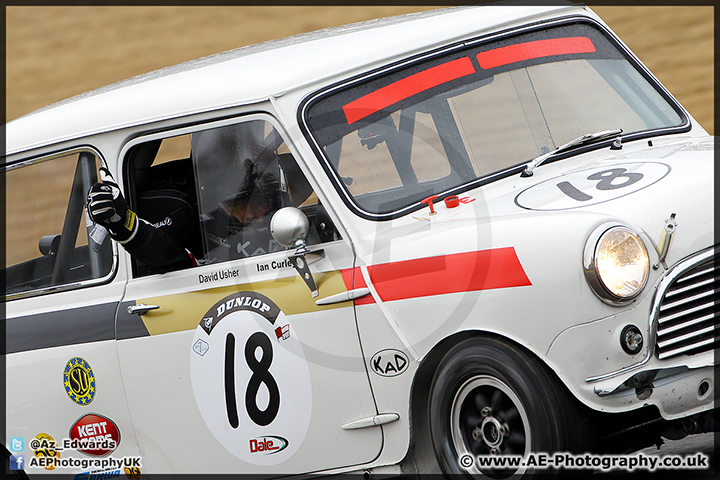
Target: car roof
{"type": "Point", "coordinates": [255, 73]}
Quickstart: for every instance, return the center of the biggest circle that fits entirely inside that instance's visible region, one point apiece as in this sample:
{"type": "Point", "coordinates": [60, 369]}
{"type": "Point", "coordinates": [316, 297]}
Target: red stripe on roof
{"type": "Point", "coordinates": [460, 272]}
{"type": "Point", "coordinates": [535, 49]}
{"type": "Point", "coordinates": [406, 88]}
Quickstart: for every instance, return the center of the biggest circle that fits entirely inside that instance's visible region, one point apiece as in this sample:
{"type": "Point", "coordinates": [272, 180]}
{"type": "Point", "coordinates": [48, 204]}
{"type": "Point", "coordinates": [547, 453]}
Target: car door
{"type": "Point", "coordinates": [64, 389]}
{"type": "Point", "coordinates": [232, 366]}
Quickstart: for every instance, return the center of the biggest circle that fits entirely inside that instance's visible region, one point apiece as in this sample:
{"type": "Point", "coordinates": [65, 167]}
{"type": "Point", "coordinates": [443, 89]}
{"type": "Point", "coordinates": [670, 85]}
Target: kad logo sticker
{"type": "Point", "coordinates": [250, 379]}
{"type": "Point", "coordinates": [389, 362]}
{"type": "Point", "coordinates": [94, 435]}
{"type": "Point", "coordinates": [79, 381]}
{"type": "Point", "coordinates": [591, 186]}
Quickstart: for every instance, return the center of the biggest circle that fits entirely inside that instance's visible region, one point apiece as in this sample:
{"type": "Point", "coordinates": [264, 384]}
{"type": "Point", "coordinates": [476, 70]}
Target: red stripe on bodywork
{"type": "Point", "coordinates": [460, 272]}
{"type": "Point", "coordinates": [535, 49]}
{"type": "Point", "coordinates": [406, 88]}
{"type": "Point", "coordinates": [347, 276]}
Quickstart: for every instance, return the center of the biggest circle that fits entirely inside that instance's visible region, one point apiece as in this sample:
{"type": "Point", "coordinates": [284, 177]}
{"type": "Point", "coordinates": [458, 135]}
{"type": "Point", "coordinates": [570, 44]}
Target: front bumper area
{"type": "Point", "coordinates": [675, 371]}
{"type": "Point", "coordinates": [677, 392]}
{"type": "Point", "coordinates": [684, 331]}
{"type": "Point", "coordinates": [684, 324]}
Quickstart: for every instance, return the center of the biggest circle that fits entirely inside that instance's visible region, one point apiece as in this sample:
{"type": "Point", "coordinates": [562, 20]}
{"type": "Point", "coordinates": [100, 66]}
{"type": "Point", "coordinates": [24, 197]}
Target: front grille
{"type": "Point", "coordinates": [687, 317]}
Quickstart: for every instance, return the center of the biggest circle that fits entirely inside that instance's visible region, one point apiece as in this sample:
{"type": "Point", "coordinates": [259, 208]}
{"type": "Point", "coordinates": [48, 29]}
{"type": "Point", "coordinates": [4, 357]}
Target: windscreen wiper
{"type": "Point", "coordinates": [581, 140]}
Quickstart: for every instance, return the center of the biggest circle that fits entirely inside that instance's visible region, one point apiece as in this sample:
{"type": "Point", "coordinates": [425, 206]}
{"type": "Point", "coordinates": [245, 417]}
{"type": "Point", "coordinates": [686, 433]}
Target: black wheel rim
{"type": "Point", "coordinates": [488, 418]}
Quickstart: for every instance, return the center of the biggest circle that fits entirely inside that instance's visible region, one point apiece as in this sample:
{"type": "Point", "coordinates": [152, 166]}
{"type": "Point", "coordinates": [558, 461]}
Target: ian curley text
{"type": "Point", "coordinates": [230, 273]}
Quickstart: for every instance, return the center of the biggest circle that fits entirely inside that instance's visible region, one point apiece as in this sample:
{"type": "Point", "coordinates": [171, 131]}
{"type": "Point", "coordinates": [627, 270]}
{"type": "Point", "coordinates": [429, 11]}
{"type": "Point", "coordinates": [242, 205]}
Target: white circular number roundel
{"type": "Point", "coordinates": [251, 380]}
{"type": "Point", "coordinates": [591, 186]}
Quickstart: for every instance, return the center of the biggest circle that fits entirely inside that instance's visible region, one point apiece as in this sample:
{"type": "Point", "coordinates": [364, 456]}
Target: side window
{"type": "Point", "coordinates": [226, 182]}
{"type": "Point", "coordinates": [50, 240]}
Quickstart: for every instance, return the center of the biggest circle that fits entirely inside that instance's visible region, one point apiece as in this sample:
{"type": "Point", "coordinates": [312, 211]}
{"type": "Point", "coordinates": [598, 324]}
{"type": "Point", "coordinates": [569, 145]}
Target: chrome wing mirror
{"type": "Point", "coordinates": [289, 227]}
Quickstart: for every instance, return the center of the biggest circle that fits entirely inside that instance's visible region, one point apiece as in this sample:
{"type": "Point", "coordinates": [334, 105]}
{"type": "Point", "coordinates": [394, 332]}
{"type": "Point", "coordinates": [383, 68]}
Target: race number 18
{"type": "Point", "coordinates": [241, 368]}
{"type": "Point", "coordinates": [260, 375]}
{"type": "Point", "coordinates": [606, 181]}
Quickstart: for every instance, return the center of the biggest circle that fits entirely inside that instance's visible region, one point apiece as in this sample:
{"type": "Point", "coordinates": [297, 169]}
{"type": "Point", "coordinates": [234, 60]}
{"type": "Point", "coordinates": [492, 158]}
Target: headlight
{"type": "Point", "coordinates": [616, 264]}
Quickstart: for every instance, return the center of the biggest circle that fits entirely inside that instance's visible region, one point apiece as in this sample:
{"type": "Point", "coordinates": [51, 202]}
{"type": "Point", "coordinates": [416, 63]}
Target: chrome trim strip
{"type": "Point", "coordinates": [67, 286]}
{"type": "Point", "coordinates": [685, 312]}
{"type": "Point", "coordinates": [50, 156]}
{"type": "Point", "coordinates": [688, 324]}
{"type": "Point", "coordinates": [141, 309]}
{"type": "Point", "coordinates": [670, 341]}
{"type": "Point", "coordinates": [374, 421]}
{"type": "Point", "coordinates": [678, 351]}
{"type": "Point", "coordinates": [679, 303]}
{"type": "Point", "coordinates": [676, 271]}
{"type": "Point", "coordinates": [689, 287]}
{"type": "Point", "coordinates": [690, 277]}
{"type": "Point", "coordinates": [605, 376]}
{"type": "Point", "coordinates": [343, 296]}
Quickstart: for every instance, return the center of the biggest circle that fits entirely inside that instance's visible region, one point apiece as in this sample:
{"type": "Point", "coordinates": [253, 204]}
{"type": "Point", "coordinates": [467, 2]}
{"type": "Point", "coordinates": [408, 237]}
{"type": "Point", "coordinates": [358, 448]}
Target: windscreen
{"type": "Point", "coordinates": [450, 120]}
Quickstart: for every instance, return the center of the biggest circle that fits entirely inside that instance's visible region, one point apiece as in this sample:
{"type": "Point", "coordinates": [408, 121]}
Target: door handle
{"type": "Point", "coordinates": [344, 296]}
{"type": "Point", "coordinates": [141, 308]}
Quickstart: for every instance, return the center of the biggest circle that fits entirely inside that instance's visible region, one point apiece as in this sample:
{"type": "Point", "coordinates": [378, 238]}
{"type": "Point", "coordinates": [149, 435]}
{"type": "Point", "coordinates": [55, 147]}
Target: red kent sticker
{"type": "Point", "coordinates": [94, 435]}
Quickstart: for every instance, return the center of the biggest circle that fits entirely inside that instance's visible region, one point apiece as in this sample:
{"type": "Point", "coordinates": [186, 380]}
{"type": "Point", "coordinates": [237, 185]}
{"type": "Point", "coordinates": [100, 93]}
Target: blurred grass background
{"type": "Point", "coordinates": [55, 52]}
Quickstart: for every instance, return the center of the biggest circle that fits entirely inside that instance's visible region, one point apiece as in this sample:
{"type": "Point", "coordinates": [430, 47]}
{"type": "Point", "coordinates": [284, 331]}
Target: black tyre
{"type": "Point", "coordinates": [489, 397]}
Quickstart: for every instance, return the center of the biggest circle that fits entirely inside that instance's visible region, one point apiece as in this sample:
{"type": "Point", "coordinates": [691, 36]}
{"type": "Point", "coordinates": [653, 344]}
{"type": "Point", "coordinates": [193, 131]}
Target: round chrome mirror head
{"type": "Point", "coordinates": [289, 227]}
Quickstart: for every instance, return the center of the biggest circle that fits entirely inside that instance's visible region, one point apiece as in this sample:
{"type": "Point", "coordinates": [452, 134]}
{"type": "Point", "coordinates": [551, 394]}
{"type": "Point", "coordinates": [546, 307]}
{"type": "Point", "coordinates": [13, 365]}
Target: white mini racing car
{"type": "Point", "coordinates": [481, 232]}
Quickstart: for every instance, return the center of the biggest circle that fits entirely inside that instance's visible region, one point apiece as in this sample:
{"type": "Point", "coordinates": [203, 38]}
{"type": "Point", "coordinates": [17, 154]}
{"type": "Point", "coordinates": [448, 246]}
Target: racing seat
{"type": "Point", "coordinates": [164, 196]}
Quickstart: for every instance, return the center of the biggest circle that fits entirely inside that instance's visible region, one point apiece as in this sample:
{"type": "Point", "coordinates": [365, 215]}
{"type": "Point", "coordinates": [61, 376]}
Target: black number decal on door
{"type": "Point", "coordinates": [260, 375]}
{"type": "Point", "coordinates": [230, 398]}
{"type": "Point", "coordinates": [605, 182]}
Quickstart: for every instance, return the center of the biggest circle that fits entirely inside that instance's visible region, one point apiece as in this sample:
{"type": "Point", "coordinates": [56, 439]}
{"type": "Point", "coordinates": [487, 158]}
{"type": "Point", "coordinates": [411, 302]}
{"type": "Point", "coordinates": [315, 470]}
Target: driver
{"type": "Point", "coordinates": [239, 227]}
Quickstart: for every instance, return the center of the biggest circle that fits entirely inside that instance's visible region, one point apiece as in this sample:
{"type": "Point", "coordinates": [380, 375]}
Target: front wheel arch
{"type": "Point", "coordinates": [421, 457]}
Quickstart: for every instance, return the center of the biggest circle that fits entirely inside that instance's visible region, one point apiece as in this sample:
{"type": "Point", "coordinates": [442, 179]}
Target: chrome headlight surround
{"type": "Point", "coordinates": [616, 264]}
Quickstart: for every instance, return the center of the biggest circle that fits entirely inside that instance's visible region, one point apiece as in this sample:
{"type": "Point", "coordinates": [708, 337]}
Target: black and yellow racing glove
{"type": "Point", "coordinates": [107, 207]}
